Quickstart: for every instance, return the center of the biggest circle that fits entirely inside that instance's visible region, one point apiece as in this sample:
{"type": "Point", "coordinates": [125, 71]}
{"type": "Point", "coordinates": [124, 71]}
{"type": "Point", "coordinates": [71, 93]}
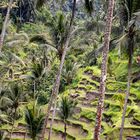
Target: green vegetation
{"type": "Point", "coordinates": [51, 54]}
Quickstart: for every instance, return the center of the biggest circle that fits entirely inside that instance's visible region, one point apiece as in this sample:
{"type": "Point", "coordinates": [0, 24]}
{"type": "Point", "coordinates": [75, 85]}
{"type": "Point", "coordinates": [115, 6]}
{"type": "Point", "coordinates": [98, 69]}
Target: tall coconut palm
{"type": "Point", "coordinates": [5, 24]}
{"type": "Point", "coordinates": [130, 58]}
{"type": "Point", "coordinates": [129, 22]}
{"type": "Point", "coordinates": [34, 120]}
{"type": "Point", "coordinates": [103, 70]}
{"type": "Point", "coordinates": [58, 77]}
{"type": "Point", "coordinates": [59, 29]}
{"type": "Point", "coordinates": [66, 109]}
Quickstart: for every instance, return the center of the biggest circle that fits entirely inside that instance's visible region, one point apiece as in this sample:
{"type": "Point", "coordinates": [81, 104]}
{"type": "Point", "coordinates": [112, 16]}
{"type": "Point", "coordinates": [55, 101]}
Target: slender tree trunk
{"type": "Point", "coordinates": [58, 77]}
{"type": "Point", "coordinates": [5, 24]}
{"type": "Point", "coordinates": [104, 71]}
{"type": "Point", "coordinates": [126, 98]}
{"type": "Point", "coordinates": [52, 120]}
{"type": "Point", "coordinates": [54, 93]}
{"type": "Point", "coordinates": [130, 47]}
{"type": "Point", "coordinates": [65, 130]}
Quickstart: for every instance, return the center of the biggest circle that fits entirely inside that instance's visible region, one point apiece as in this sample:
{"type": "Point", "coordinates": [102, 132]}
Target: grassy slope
{"type": "Point", "coordinates": [81, 125]}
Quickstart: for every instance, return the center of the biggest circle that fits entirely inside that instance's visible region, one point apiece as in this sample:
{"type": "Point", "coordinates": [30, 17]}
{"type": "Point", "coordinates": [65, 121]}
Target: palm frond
{"type": "Point", "coordinates": [38, 70]}
{"type": "Point", "coordinates": [38, 38]}
{"type": "Point", "coordinates": [18, 59]}
{"type": "Point", "coordinates": [5, 102]}
{"type": "Point", "coordinates": [34, 120]}
{"type": "Point", "coordinates": [18, 39]}
{"type": "Point", "coordinates": [66, 107]}
{"type": "Point", "coordinates": [49, 47]}
{"type": "Point", "coordinates": [27, 76]}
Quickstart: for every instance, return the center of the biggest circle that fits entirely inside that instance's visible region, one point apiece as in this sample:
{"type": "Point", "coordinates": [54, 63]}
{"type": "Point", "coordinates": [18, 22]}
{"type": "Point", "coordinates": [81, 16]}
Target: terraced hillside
{"type": "Point", "coordinates": [81, 125]}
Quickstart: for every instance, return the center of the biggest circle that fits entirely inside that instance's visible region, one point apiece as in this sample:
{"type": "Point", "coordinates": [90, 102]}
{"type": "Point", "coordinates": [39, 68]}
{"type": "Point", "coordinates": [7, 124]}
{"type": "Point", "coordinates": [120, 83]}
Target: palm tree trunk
{"type": "Point", "coordinates": [65, 130]}
{"type": "Point", "coordinates": [130, 47]}
{"type": "Point", "coordinates": [104, 70]}
{"type": "Point", "coordinates": [126, 98]}
{"type": "Point", "coordinates": [5, 24]}
{"type": "Point", "coordinates": [52, 120]}
{"type": "Point", "coordinates": [57, 82]}
{"type": "Point", "coordinates": [54, 92]}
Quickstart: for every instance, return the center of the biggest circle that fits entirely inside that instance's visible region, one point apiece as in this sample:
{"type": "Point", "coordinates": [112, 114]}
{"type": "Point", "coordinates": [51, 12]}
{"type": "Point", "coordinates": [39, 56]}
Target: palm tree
{"type": "Point", "coordinates": [59, 30]}
{"type": "Point", "coordinates": [58, 77]}
{"type": "Point", "coordinates": [103, 70]}
{"type": "Point", "coordinates": [10, 98]}
{"type": "Point", "coordinates": [5, 24]}
{"type": "Point", "coordinates": [58, 26]}
{"type": "Point", "coordinates": [130, 57]}
{"type": "Point", "coordinates": [38, 71]}
{"type": "Point", "coordinates": [68, 74]}
{"type": "Point", "coordinates": [11, 63]}
{"type": "Point", "coordinates": [14, 96]}
{"type": "Point", "coordinates": [66, 109]}
{"type": "Point", "coordinates": [34, 120]}
{"type": "Point", "coordinates": [69, 71]}
{"type": "Point", "coordinates": [127, 19]}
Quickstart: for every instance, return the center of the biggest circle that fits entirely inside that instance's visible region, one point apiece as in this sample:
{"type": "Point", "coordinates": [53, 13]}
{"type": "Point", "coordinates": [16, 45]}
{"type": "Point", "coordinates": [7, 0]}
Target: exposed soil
{"type": "Point", "coordinates": [83, 119]}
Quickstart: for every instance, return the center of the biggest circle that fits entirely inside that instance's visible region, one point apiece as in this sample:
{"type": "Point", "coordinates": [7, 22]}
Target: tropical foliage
{"type": "Point", "coordinates": [69, 67]}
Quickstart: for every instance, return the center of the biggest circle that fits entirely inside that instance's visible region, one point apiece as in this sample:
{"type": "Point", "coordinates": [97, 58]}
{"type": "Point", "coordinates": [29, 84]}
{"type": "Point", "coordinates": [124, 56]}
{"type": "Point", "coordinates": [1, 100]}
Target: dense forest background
{"type": "Point", "coordinates": [69, 69]}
